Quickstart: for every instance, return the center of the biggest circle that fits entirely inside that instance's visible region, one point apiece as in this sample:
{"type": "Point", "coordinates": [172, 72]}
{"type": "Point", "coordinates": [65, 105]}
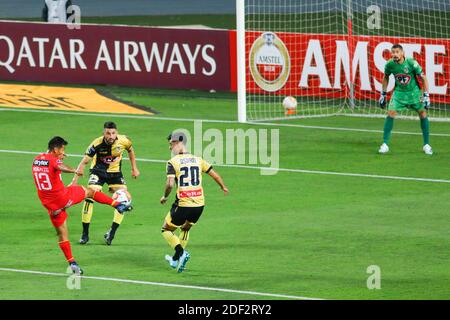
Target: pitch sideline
{"type": "Point", "coordinates": [347, 174]}
{"type": "Point", "coordinates": [271, 124]}
{"type": "Point", "coordinates": [162, 284]}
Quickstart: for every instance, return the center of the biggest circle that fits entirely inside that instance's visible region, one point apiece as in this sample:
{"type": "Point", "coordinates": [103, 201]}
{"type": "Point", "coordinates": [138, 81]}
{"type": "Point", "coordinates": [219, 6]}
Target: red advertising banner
{"type": "Point", "coordinates": [115, 55]}
{"type": "Point", "coordinates": [323, 64]}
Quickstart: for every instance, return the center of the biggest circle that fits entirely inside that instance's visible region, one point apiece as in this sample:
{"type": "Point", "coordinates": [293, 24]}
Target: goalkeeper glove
{"type": "Point", "coordinates": [383, 99]}
{"type": "Point", "coordinates": [426, 100]}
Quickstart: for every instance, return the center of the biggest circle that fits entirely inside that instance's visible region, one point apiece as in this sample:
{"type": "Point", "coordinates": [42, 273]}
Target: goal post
{"type": "Point", "coordinates": [330, 55]}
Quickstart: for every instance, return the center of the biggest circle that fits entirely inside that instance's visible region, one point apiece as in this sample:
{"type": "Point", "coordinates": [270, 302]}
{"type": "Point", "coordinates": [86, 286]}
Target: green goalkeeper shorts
{"type": "Point", "coordinates": [406, 101]}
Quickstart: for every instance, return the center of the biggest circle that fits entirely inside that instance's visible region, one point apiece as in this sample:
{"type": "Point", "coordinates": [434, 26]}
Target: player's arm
{"type": "Point", "coordinates": [80, 169]}
{"type": "Point", "coordinates": [384, 85]}
{"type": "Point", "coordinates": [170, 182]}
{"type": "Point", "coordinates": [134, 170]}
{"type": "Point", "coordinates": [66, 169]}
{"type": "Point", "coordinates": [426, 96]}
{"type": "Point", "coordinates": [218, 179]}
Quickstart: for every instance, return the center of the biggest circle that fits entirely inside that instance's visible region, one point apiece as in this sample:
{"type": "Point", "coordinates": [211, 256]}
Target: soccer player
{"type": "Point", "coordinates": [186, 170]}
{"type": "Point", "coordinates": [56, 198]}
{"type": "Point", "coordinates": [407, 95]}
{"type": "Point", "coordinates": [106, 155]}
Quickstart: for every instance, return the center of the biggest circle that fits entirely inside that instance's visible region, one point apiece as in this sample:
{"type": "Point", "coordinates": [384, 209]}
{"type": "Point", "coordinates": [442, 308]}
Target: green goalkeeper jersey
{"type": "Point", "coordinates": [405, 74]}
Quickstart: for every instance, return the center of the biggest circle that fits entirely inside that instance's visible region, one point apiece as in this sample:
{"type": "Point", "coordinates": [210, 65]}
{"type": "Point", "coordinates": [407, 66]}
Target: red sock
{"type": "Point", "coordinates": [100, 197]}
{"type": "Point", "coordinates": [65, 247]}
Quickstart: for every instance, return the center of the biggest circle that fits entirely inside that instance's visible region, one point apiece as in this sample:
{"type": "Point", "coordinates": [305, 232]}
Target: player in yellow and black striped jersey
{"type": "Point", "coordinates": [185, 170]}
{"type": "Point", "coordinates": [106, 153]}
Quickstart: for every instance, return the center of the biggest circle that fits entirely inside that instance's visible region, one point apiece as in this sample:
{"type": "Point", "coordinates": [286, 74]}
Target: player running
{"type": "Point", "coordinates": [407, 95]}
{"type": "Point", "coordinates": [186, 170]}
{"type": "Point", "coordinates": [106, 155]}
{"type": "Point", "coordinates": [56, 198]}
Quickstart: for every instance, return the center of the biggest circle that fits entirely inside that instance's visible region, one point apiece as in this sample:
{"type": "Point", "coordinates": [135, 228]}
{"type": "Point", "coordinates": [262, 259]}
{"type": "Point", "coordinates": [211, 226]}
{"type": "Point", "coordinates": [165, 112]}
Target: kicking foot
{"type": "Point", "coordinates": [427, 149]}
{"type": "Point", "coordinates": [182, 261]}
{"type": "Point", "coordinates": [109, 236]}
{"type": "Point", "coordinates": [384, 148]}
{"type": "Point", "coordinates": [76, 268]}
{"type": "Point", "coordinates": [84, 239]}
{"type": "Point", "coordinates": [172, 263]}
{"type": "Point", "coordinates": [123, 207]}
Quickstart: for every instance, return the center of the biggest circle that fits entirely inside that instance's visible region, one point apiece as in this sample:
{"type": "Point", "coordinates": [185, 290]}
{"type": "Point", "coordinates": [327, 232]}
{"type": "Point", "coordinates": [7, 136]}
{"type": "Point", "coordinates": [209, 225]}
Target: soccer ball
{"type": "Point", "coordinates": [123, 196]}
{"type": "Point", "coordinates": [290, 103]}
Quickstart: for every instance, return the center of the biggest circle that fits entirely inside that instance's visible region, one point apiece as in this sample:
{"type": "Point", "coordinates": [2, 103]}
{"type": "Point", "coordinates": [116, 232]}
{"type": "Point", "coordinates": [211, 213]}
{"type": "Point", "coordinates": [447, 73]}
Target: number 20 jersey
{"type": "Point", "coordinates": [187, 170]}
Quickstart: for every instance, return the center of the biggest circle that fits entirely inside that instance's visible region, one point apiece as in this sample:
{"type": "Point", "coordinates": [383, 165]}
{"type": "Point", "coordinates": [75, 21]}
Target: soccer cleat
{"type": "Point", "coordinates": [76, 268]}
{"type": "Point", "coordinates": [108, 237]}
{"type": "Point", "coordinates": [84, 239]}
{"type": "Point", "coordinates": [183, 261]}
{"type": "Point", "coordinates": [427, 149]}
{"type": "Point", "coordinates": [122, 207]}
{"type": "Point", "coordinates": [384, 148]}
{"type": "Point", "coordinates": [172, 263]}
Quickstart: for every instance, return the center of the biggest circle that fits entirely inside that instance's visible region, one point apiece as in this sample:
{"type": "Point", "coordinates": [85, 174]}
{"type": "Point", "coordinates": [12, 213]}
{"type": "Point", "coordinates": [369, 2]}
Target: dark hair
{"type": "Point", "coordinates": [397, 46]}
{"type": "Point", "coordinates": [56, 142]}
{"type": "Point", "coordinates": [177, 136]}
{"type": "Point", "coordinates": [109, 125]}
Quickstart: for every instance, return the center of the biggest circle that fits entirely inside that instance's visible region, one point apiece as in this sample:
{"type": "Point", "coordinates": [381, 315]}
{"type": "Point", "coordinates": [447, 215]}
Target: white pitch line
{"type": "Point", "coordinates": [346, 174]}
{"type": "Point", "coordinates": [292, 125]}
{"type": "Point", "coordinates": [162, 284]}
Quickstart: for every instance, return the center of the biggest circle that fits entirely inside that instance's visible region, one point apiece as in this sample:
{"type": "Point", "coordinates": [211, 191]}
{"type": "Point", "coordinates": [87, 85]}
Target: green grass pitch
{"type": "Point", "coordinates": [309, 235]}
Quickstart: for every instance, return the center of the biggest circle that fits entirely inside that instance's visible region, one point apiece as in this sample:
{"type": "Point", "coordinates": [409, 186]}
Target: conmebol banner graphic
{"type": "Point", "coordinates": [117, 55]}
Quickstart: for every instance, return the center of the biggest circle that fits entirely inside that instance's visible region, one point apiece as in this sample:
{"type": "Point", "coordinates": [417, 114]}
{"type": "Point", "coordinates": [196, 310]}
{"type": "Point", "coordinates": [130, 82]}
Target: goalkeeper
{"type": "Point", "coordinates": [407, 95]}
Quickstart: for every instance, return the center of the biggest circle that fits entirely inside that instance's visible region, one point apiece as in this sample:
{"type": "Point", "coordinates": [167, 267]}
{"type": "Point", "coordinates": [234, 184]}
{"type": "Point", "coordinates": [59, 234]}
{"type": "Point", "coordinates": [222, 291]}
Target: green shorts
{"type": "Point", "coordinates": [406, 101]}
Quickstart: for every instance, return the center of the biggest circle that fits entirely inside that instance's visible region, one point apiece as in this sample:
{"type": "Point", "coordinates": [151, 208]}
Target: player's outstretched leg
{"type": "Point", "coordinates": [425, 126]}
{"type": "Point", "coordinates": [388, 125]}
{"type": "Point", "coordinates": [100, 197]}
{"type": "Point", "coordinates": [86, 217]}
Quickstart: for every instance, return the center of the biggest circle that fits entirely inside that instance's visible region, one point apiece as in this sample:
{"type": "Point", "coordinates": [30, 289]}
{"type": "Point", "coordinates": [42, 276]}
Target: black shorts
{"type": "Point", "coordinates": [180, 215]}
{"type": "Point", "coordinates": [100, 178]}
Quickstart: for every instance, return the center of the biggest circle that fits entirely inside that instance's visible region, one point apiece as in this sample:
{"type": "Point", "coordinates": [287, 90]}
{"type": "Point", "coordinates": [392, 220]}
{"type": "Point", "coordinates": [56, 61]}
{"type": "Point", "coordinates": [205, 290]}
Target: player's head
{"type": "Point", "coordinates": [397, 52]}
{"type": "Point", "coordinates": [177, 142]}
{"type": "Point", "coordinates": [110, 132]}
{"type": "Point", "coordinates": [57, 146]}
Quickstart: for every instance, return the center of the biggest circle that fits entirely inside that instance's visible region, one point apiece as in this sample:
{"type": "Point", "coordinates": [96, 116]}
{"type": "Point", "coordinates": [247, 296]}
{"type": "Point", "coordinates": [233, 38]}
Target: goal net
{"type": "Point", "coordinates": [330, 55]}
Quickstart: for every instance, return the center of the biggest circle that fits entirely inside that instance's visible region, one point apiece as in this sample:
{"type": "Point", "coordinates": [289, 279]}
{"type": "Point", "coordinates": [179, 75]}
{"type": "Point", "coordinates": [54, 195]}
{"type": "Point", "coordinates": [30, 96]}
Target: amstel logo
{"type": "Point", "coordinates": [270, 63]}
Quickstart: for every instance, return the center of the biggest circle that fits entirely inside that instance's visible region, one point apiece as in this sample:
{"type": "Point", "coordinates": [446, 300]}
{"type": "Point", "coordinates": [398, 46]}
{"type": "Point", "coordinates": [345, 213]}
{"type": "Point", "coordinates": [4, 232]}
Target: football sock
{"type": "Point", "coordinates": [388, 125]}
{"type": "Point", "coordinates": [118, 217]}
{"type": "Point", "coordinates": [425, 125]}
{"type": "Point", "coordinates": [86, 213]}
{"type": "Point", "coordinates": [184, 238]}
{"type": "Point", "coordinates": [65, 247]}
{"type": "Point", "coordinates": [178, 252]}
{"type": "Point", "coordinates": [114, 227]}
{"type": "Point", "coordinates": [171, 238]}
{"type": "Point", "coordinates": [86, 228]}
{"type": "Point", "coordinates": [100, 197]}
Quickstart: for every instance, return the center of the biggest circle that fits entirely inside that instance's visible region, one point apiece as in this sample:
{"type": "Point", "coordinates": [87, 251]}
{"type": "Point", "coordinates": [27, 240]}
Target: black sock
{"type": "Point", "coordinates": [114, 227]}
{"type": "Point", "coordinates": [86, 228]}
{"type": "Point", "coordinates": [178, 252]}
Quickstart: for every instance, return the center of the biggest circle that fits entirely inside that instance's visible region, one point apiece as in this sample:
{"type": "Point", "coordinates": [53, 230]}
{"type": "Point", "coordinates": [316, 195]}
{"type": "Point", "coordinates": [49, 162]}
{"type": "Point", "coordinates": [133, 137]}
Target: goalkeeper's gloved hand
{"type": "Point", "coordinates": [383, 99]}
{"type": "Point", "coordinates": [426, 100]}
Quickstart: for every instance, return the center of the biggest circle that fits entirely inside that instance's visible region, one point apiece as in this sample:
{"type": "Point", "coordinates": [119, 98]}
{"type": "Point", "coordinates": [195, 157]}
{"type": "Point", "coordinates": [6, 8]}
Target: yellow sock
{"type": "Point", "coordinates": [171, 238]}
{"type": "Point", "coordinates": [118, 217]}
{"type": "Point", "coordinates": [184, 238]}
{"type": "Point", "coordinates": [86, 212]}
